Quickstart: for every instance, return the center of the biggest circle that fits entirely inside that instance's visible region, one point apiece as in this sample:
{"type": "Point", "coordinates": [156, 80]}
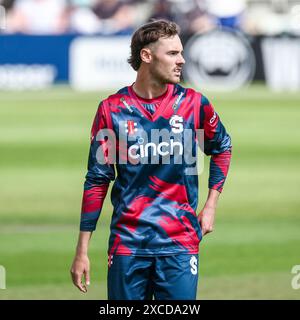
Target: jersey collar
{"type": "Point", "coordinates": [137, 101]}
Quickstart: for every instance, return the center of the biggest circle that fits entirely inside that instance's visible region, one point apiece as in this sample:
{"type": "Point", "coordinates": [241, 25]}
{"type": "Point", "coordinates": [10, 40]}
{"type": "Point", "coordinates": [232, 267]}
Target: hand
{"type": "Point", "coordinates": [206, 219]}
{"type": "Point", "coordinates": [81, 267]}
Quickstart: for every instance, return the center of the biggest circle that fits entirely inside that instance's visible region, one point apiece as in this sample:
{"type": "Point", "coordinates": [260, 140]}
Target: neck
{"type": "Point", "coordinates": [148, 88]}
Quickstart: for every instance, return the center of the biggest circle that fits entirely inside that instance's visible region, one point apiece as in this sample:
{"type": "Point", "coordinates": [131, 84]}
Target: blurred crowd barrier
{"type": "Point", "coordinates": [228, 44]}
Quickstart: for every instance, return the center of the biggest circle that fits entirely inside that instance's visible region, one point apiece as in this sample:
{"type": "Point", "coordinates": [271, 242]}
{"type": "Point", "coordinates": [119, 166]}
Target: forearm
{"type": "Point", "coordinates": [83, 242]}
{"type": "Point", "coordinates": [207, 215]}
{"type": "Point", "coordinates": [81, 264]}
{"type": "Point", "coordinates": [212, 199]}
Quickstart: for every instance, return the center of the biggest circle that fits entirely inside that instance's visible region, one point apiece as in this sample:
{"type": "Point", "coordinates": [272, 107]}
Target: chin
{"type": "Point", "coordinates": [173, 80]}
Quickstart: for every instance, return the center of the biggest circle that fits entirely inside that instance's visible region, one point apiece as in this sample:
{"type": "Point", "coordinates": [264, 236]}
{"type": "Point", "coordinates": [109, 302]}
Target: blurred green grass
{"type": "Point", "coordinates": [44, 141]}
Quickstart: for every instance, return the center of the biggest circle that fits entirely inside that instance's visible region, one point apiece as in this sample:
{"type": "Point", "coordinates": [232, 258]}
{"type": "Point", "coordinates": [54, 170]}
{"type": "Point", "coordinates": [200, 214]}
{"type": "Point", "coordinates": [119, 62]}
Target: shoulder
{"type": "Point", "coordinates": [204, 101]}
{"type": "Point", "coordinates": [115, 97]}
{"type": "Point", "coordinates": [203, 109]}
{"type": "Point", "coordinates": [191, 93]}
{"type": "Point", "coordinates": [110, 103]}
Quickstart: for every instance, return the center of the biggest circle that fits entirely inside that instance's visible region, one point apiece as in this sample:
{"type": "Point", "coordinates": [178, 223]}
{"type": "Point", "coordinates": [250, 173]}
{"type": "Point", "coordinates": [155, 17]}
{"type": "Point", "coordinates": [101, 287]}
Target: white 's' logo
{"type": "Point", "coordinates": [193, 263]}
{"type": "Point", "coordinates": [176, 123]}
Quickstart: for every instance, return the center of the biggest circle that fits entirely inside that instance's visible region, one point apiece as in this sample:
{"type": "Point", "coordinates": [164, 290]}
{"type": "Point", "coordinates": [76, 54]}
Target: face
{"type": "Point", "coordinates": [165, 60]}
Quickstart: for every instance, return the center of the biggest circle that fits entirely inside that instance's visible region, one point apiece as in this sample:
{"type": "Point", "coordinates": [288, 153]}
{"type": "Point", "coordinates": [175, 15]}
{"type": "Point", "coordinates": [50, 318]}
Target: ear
{"type": "Point", "coordinates": [146, 55]}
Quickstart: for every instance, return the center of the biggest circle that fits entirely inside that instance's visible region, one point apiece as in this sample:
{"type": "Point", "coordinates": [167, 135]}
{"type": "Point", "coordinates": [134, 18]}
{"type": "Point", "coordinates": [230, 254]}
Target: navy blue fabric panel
{"type": "Point", "coordinates": [172, 277]}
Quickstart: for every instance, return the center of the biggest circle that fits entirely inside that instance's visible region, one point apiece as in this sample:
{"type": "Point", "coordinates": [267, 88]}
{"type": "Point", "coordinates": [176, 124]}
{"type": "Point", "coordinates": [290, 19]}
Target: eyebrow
{"type": "Point", "coordinates": [176, 51]}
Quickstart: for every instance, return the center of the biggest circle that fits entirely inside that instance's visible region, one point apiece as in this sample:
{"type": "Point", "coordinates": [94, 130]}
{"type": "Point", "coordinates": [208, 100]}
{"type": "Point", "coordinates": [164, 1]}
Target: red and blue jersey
{"type": "Point", "coordinates": [154, 201]}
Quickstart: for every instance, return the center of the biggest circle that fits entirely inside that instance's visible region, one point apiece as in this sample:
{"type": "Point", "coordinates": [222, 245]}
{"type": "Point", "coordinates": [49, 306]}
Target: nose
{"type": "Point", "coordinates": [181, 60]}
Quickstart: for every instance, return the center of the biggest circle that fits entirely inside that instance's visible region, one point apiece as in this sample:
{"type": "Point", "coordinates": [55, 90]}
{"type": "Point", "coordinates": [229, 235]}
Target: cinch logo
{"type": "Point", "coordinates": [163, 149]}
{"type": "Point", "coordinates": [155, 146]}
{"type": "Point", "coordinates": [193, 263]}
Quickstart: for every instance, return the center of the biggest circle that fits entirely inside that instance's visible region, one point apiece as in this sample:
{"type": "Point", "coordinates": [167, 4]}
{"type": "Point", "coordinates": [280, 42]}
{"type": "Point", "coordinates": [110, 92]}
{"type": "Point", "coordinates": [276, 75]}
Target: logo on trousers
{"type": "Point", "coordinates": [193, 264]}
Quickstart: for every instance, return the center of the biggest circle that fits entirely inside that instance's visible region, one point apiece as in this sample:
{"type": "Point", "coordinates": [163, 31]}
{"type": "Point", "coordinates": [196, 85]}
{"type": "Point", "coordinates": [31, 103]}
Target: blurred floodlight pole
{"type": "Point", "coordinates": [2, 18]}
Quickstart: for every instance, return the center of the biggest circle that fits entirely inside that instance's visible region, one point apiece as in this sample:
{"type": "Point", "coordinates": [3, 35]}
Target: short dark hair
{"type": "Point", "coordinates": [149, 33]}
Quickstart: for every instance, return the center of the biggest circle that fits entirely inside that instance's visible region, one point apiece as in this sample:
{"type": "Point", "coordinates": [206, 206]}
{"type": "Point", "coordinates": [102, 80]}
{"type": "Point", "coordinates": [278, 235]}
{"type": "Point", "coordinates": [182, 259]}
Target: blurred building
{"type": "Point", "coordinates": [38, 17]}
{"type": "Point", "coordinates": [271, 17]}
{"type": "Point", "coordinates": [227, 43]}
{"type": "Point", "coordinates": [192, 16]}
{"type": "Point", "coordinates": [123, 16]}
{"type": "Point", "coordinates": [228, 14]}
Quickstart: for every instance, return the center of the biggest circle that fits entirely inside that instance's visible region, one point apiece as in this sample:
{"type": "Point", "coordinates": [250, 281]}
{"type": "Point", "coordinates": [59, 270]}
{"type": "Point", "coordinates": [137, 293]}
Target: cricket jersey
{"type": "Point", "coordinates": [146, 146]}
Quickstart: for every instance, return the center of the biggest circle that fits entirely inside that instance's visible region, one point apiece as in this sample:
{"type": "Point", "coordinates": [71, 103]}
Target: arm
{"type": "Point", "coordinates": [96, 185]}
{"type": "Point", "coordinates": [217, 144]}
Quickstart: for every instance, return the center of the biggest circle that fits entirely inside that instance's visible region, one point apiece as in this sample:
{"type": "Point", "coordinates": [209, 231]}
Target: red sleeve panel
{"type": "Point", "coordinates": [217, 144]}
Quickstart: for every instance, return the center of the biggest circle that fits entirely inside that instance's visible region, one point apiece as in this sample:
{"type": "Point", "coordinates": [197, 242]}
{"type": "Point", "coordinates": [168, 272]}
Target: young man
{"type": "Point", "coordinates": [155, 231]}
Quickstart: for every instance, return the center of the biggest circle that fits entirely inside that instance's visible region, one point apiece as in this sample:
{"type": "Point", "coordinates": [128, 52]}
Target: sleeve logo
{"type": "Point", "coordinates": [213, 118]}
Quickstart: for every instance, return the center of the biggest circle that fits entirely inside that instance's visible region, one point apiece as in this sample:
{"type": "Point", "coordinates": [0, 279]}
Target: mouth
{"type": "Point", "coordinates": [178, 70]}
